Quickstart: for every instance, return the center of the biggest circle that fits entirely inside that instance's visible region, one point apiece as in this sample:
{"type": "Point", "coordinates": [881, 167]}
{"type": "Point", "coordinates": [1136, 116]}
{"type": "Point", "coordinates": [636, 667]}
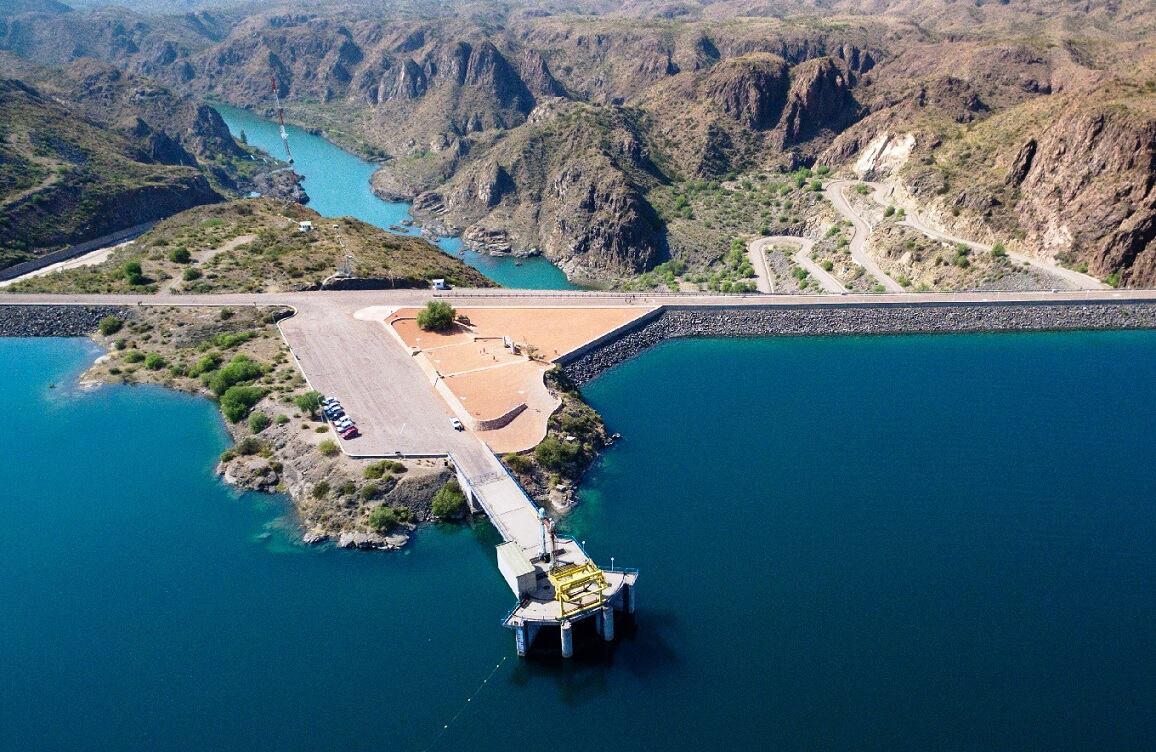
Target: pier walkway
{"type": "Point", "coordinates": [555, 582]}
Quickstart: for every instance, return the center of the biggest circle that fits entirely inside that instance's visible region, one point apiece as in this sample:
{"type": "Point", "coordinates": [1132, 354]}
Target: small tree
{"type": "Point", "coordinates": [998, 250]}
{"type": "Point", "coordinates": [328, 447]}
{"type": "Point", "coordinates": [437, 316]}
{"type": "Point", "coordinates": [309, 402]}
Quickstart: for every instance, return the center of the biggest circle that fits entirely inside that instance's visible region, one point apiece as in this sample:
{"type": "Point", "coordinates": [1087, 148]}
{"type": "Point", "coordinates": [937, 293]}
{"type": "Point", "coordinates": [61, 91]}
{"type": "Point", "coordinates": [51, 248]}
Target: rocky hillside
{"type": "Point", "coordinates": [65, 178]}
{"type": "Point", "coordinates": [254, 245]}
{"type": "Point", "coordinates": [547, 125]}
{"type": "Point", "coordinates": [89, 149]}
{"type": "Point", "coordinates": [1065, 169]}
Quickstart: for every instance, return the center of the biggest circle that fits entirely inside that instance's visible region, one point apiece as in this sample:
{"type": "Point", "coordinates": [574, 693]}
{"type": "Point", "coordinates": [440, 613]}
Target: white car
{"type": "Point", "coordinates": [457, 424]}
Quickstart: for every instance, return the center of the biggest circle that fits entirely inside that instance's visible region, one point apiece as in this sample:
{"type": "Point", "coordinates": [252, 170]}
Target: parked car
{"type": "Point", "coordinates": [333, 413]}
{"type": "Point", "coordinates": [349, 433]}
{"type": "Point", "coordinates": [457, 424]}
{"type": "Point", "coordinates": [342, 424]}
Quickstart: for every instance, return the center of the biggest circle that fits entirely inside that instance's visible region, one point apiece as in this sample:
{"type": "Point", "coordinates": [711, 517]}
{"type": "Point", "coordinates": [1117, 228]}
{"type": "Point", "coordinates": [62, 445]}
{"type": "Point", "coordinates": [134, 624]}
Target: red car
{"type": "Point", "coordinates": [349, 433]}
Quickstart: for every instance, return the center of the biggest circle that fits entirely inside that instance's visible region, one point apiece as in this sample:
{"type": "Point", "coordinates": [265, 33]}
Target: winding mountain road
{"type": "Point", "coordinates": [884, 194]}
{"type": "Point", "coordinates": [834, 193]}
{"type": "Point", "coordinates": [757, 251]}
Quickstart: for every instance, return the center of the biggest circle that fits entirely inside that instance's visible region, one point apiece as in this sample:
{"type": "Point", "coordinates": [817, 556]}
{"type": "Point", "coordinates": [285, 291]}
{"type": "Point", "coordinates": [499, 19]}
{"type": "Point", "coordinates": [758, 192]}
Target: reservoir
{"type": "Point", "coordinates": [902, 543]}
{"type": "Point", "coordinates": [338, 185]}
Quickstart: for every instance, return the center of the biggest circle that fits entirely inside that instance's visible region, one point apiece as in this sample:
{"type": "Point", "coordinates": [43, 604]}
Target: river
{"type": "Point", "coordinates": [338, 185]}
{"type": "Point", "coordinates": [902, 543]}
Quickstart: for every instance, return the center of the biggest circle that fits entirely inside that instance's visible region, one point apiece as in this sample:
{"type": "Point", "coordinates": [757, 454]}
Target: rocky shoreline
{"type": "Point", "coordinates": [54, 320]}
{"type": "Point", "coordinates": [865, 319]}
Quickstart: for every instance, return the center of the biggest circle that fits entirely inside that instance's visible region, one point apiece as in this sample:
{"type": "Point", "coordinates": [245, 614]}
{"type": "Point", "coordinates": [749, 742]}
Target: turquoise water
{"type": "Point", "coordinates": [338, 185]}
{"type": "Point", "coordinates": [891, 543]}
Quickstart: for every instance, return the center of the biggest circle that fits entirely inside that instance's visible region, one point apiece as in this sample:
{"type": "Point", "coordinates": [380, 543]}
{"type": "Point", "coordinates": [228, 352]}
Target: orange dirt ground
{"type": "Point", "coordinates": [487, 379]}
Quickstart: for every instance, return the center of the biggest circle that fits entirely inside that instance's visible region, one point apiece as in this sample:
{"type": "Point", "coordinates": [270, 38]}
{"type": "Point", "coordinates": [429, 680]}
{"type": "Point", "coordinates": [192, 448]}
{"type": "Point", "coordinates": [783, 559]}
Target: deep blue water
{"type": "Point", "coordinates": [338, 185]}
{"type": "Point", "coordinates": [890, 543]}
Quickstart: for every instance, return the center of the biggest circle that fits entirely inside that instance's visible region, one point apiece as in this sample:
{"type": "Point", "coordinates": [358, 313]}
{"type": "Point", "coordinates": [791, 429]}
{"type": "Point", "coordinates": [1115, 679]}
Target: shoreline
{"type": "Point", "coordinates": [292, 467]}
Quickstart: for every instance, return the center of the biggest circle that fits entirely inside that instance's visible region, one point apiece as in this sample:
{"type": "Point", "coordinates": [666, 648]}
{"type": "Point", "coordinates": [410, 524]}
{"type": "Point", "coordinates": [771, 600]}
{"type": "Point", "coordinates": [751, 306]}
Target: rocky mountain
{"type": "Point", "coordinates": [65, 178]}
{"type": "Point", "coordinates": [473, 107]}
{"type": "Point", "coordinates": [88, 150]}
{"type": "Point", "coordinates": [570, 183]}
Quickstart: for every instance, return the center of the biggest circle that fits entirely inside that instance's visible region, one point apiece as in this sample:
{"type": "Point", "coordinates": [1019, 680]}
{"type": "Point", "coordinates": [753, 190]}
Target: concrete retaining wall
{"type": "Point", "coordinates": [72, 251]}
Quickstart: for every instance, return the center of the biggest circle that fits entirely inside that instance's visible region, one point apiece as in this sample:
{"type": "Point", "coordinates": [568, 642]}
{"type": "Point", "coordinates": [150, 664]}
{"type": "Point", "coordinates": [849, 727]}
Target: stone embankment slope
{"type": "Point", "coordinates": [53, 321]}
{"type": "Point", "coordinates": [860, 319]}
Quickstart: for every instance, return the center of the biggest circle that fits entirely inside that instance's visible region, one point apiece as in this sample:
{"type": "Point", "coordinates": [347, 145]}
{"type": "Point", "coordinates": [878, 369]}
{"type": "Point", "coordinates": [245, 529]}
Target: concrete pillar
{"type": "Point", "coordinates": [567, 639]}
{"type": "Point", "coordinates": [608, 623]}
{"type": "Point", "coordinates": [628, 598]}
{"type": "Point", "coordinates": [521, 640]}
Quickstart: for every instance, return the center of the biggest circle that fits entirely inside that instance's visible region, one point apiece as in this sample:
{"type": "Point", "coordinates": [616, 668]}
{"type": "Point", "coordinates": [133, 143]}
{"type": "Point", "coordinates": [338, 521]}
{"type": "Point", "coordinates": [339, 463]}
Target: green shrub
{"type": "Point", "coordinates": [180, 255]}
{"type": "Point", "coordinates": [191, 274]}
{"type": "Point", "coordinates": [437, 316]}
{"type": "Point", "coordinates": [249, 446]}
{"type": "Point", "coordinates": [321, 490]}
{"type": "Point", "coordinates": [1113, 279]}
{"type": "Point", "coordinates": [827, 265]}
{"type": "Point", "coordinates": [328, 447]}
{"type": "Point", "coordinates": [519, 463]}
{"type": "Point", "coordinates": [206, 364]}
{"type": "Point", "coordinates": [347, 488]}
{"type": "Point", "coordinates": [240, 369]}
{"type": "Point", "coordinates": [133, 356]}
{"type": "Point", "coordinates": [321, 429]}
{"type": "Point", "coordinates": [133, 273]}
{"type": "Point", "coordinates": [110, 325]}
{"type": "Point", "coordinates": [369, 490]}
{"type": "Point", "coordinates": [237, 401]}
{"type": "Point", "coordinates": [998, 250]}
{"type": "Point", "coordinates": [890, 210]}
{"type": "Point", "coordinates": [229, 340]}
{"type": "Point", "coordinates": [449, 501]}
{"type": "Point", "coordinates": [377, 470]}
{"type": "Point", "coordinates": [382, 518]}
{"type": "Point", "coordinates": [552, 453]}
{"type": "Point", "coordinates": [282, 419]}
{"type": "Point", "coordinates": [258, 422]}
{"type": "Point", "coordinates": [154, 362]}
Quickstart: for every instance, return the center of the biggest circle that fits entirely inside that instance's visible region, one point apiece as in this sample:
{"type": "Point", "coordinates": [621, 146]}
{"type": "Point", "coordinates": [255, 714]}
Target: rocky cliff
{"type": "Point", "coordinates": [570, 184]}
{"type": "Point", "coordinates": [1087, 191]}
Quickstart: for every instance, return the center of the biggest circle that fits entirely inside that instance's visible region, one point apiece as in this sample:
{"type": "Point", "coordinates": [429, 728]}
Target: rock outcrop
{"type": "Point", "coordinates": [752, 90]}
{"type": "Point", "coordinates": [819, 99]}
{"type": "Point", "coordinates": [1087, 191]}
